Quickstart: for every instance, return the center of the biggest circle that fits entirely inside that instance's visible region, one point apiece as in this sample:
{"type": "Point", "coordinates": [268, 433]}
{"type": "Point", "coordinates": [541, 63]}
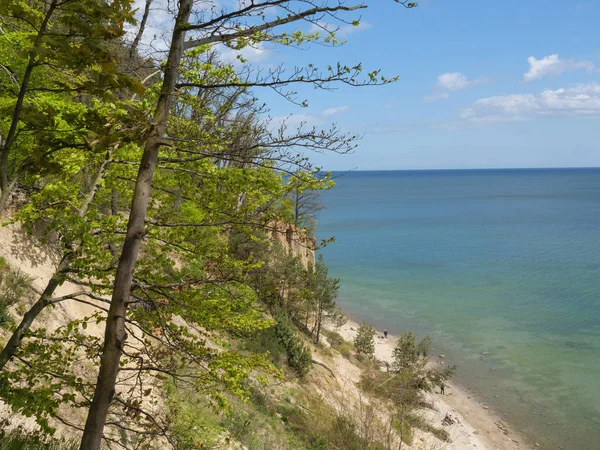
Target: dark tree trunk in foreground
{"type": "Point", "coordinates": [115, 334]}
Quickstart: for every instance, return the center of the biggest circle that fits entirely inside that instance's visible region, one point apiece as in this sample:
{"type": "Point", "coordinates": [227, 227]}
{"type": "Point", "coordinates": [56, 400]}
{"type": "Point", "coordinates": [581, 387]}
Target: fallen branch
{"type": "Point", "coordinates": [325, 367]}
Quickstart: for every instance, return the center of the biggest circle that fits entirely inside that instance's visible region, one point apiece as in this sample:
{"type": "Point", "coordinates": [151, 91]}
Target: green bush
{"type": "Point", "coordinates": [298, 355]}
{"type": "Point", "coordinates": [282, 344]}
{"type": "Point", "coordinates": [319, 443]}
{"type": "Point", "coordinates": [258, 431]}
{"type": "Point", "coordinates": [14, 286]}
{"type": "Point", "coordinates": [192, 423]}
{"type": "Point", "coordinates": [417, 421]}
{"type": "Point", "coordinates": [404, 429]}
{"type": "Point", "coordinates": [344, 435]}
{"type": "Point", "coordinates": [338, 343]}
{"type": "Point", "coordinates": [267, 341]}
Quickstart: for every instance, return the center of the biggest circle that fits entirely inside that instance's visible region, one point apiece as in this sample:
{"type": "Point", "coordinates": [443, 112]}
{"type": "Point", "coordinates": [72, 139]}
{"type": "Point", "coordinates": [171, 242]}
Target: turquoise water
{"type": "Point", "coordinates": [501, 267]}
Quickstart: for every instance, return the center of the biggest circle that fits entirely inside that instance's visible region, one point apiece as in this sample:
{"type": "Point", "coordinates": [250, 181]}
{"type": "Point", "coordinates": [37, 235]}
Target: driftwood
{"type": "Point", "coordinates": [325, 367]}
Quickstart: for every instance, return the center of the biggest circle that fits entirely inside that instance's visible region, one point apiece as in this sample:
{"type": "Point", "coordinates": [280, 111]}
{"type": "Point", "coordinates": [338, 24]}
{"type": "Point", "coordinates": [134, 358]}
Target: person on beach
{"type": "Point", "coordinates": [385, 334]}
{"type": "Point", "coordinates": [442, 388]}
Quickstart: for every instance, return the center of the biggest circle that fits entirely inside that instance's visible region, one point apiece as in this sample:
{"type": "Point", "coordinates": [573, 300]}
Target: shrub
{"type": "Point", "coordinates": [298, 355]}
{"type": "Point", "coordinates": [417, 421]}
{"type": "Point", "coordinates": [344, 435]}
{"type": "Point", "coordinates": [282, 344]}
{"type": "Point", "coordinates": [267, 341]}
{"type": "Point", "coordinates": [192, 423]}
{"type": "Point", "coordinates": [363, 342]}
{"type": "Point", "coordinates": [319, 443]}
{"type": "Point", "coordinates": [14, 286]}
{"type": "Point", "coordinates": [338, 343]}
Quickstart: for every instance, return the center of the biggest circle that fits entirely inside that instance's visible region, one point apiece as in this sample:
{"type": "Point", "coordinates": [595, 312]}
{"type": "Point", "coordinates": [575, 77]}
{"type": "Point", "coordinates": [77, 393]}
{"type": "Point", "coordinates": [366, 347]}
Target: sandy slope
{"type": "Point", "coordinates": [24, 253]}
{"type": "Point", "coordinates": [477, 427]}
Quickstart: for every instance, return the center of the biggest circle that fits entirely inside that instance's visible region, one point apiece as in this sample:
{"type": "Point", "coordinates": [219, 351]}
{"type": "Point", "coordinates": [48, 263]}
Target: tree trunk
{"type": "Point", "coordinates": [296, 207]}
{"type": "Point", "coordinates": [319, 320]}
{"type": "Point", "coordinates": [12, 132]}
{"type": "Point", "coordinates": [115, 335]}
{"type": "Point", "coordinates": [140, 33]}
{"type": "Point", "coordinates": [14, 342]}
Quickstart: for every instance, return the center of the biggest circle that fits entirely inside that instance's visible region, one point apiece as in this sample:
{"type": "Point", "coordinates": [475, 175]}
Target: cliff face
{"type": "Point", "coordinates": [296, 241]}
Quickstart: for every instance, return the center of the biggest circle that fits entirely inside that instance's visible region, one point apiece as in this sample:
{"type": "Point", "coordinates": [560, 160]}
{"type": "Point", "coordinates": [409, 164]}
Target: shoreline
{"type": "Point", "coordinates": [478, 426]}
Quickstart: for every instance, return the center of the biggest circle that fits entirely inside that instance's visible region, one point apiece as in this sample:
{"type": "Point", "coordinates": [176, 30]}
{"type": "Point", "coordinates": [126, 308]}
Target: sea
{"type": "Point", "coordinates": [500, 267]}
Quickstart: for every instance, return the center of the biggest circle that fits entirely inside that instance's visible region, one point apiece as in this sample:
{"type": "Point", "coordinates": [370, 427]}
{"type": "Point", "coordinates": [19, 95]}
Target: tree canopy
{"type": "Point", "coordinates": [157, 181]}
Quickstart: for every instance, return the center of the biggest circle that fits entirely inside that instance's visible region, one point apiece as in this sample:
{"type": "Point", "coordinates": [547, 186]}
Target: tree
{"type": "Point", "coordinates": [324, 291]}
{"type": "Point", "coordinates": [304, 195]}
{"type": "Point", "coordinates": [410, 358]}
{"type": "Point", "coordinates": [41, 71]}
{"type": "Point", "coordinates": [406, 354]}
{"type": "Point", "coordinates": [79, 142]}
{"type": "Point", "coordinates": [237, 28]}
{"type": "Point", "coordinates": [363, 341]}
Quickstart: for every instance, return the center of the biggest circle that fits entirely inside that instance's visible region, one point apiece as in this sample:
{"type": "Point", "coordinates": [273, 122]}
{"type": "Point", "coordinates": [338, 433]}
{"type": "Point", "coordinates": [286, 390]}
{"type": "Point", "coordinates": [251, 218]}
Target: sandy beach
{"type": "Point", "coordinates": [477, 427]}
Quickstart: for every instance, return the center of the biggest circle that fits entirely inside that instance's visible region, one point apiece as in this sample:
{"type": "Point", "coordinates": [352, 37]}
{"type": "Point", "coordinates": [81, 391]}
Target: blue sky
{"type": "Point", "coordinates": [482, 85]}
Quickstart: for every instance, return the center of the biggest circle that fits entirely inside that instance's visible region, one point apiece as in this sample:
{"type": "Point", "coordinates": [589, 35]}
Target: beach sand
{"type": "Point", "coordinates": [477, 427]}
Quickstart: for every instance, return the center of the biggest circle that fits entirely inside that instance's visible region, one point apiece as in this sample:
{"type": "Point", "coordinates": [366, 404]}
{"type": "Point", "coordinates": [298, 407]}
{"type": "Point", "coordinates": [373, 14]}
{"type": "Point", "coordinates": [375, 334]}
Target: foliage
{"type": "Point", "coordinates": [338, 343]}
{"type": "Point", "coordinates": [363, 341]}
{"type": "Point", "coordinates": [411, 357]}
{"type": "Point", "coordinates": [417, 421]}
{"type": "Point", "coordinates": [424, 346]}
{"type": "Point", "coordinates": [157, 179]}
{"type": "Point", "coordinates": [303, 191]}
{"type": "Point", "coordinates": [299, 356]}
{"type": "Point", "coordinates": [267, 342]}
{"type": "Point", "coordinates": [406, 353]}
{"type": "Point", "coordinates": [324, 290]}
{"type": "Point", "coordinates": [193, 424]}
{"type": "Point", "coordinates": [404, 385]}
{"type": "Point", "coordinates": [14, 287]}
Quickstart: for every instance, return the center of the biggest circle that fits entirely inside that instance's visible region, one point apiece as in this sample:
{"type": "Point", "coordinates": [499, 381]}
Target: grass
{"type": "Point", "coordinates": [338, 343]}
{"type": "Point", "coordinates": [14, 287]}
{"type": "Point", "coordinates": [19, 440]}
{"type": "Point", "coordinates": [419, 422]}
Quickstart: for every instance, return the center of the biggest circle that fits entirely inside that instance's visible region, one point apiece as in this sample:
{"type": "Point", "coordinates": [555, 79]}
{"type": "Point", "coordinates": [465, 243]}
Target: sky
{"type": "Point", "coordinates": [481, 85]}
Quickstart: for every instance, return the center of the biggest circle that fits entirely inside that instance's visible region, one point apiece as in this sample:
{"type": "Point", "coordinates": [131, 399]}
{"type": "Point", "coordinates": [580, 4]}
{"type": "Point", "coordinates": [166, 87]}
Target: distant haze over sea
{"type": "Point", "coordinates": [501, 267]}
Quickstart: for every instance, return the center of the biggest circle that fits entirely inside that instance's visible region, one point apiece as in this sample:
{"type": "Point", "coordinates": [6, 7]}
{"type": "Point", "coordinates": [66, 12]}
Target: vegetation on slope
{"type": "Point", "coordinates": [157, 184]}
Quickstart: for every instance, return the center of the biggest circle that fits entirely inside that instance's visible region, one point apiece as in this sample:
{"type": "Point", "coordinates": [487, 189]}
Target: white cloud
{"type": "Point", "coordinates": [578, 100]}
{"type": "Point", "coordinates": [451, 82]}
{"type": "Point", "coordinates": [552, 65]}
{"type": "Point", "coordinates": [454, 81]}
{"type": "Point", "coordinates": [334, 111]}
{"type": "Point", "coordinates": [252, 54]}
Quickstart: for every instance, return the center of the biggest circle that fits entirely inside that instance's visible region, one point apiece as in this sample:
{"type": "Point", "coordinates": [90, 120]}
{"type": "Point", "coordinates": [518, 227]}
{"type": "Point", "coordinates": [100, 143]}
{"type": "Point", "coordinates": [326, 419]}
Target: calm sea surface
{"type": "Point", "coordinates": [501, 267]}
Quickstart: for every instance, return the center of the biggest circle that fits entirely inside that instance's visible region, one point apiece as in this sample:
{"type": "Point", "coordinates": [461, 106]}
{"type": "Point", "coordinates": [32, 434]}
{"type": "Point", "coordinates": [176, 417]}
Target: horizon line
{"type": "Point", "coordinates": [466, 169]}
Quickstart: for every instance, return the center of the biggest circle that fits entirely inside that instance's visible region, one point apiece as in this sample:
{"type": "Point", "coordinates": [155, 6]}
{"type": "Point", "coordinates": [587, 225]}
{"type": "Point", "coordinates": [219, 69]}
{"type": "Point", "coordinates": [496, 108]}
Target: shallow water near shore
{"type": "Point", "coordinates": [501, 267]}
